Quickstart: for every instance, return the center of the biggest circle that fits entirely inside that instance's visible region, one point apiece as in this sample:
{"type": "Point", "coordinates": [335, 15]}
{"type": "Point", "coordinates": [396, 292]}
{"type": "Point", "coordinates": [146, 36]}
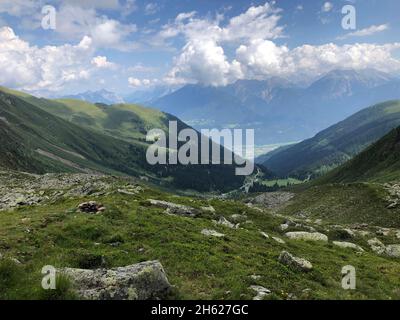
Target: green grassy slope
{"type": "Point", "coordinates": [36, 141]}
{"type": "Point", "coordinates": [200, 267]}
{"type": "Point", "coordinates": [345, 203]}
{"type": "Point", "coordinates": [125, 121]}
{"type": "Point", "coordinates": [378, 163]}
{"type": "Point", "coordinates": [336, 144]}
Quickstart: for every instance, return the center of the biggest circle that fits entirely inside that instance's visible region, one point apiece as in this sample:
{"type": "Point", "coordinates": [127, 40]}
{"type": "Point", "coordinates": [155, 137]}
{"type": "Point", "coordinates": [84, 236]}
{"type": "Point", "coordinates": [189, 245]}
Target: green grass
{"type": "Point", "coordinates": [81, 137]}
{"type": "Point", "coordinates": [281, 182]}
{"type": "Point", "coordinates": [131, 231]}
{"type": "Point", "coordinates": [346, 203]}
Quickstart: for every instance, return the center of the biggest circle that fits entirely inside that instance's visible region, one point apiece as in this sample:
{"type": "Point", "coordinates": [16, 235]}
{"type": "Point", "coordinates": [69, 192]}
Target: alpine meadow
{"type": "Point", "coordinates": [212, 152]}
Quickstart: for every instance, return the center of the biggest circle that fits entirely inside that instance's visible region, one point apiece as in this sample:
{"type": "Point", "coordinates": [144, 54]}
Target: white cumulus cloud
{"type": "Point", "coordinates": [48, 68]}
{"type": "Point", "coordinates": [366, 31]}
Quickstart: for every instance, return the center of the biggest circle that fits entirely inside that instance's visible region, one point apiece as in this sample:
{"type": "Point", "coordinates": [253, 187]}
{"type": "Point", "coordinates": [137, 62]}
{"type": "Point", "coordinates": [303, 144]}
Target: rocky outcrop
{"type": "Point", "coordinates": [350, 245]}
{"type": "Point", "coordinates": [308, 236]}
{"type": "Point", "coordinates": [142, 281]}
{"type": "Point", "coordinates": [295, 263]}
{"type": "Point", "coordinates": [174, 208]}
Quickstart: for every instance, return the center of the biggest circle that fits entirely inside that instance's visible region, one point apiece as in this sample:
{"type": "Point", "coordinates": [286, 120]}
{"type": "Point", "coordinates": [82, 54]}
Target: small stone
{"type": "Point", "coordinates": [266, 236]}
{"type": "Point", "coordinates": [350, 245]}
{"type": "Point", "coordinates": [377, 246]}
{"type": "Point", "coordinates": [279, 240]}
{"type": "Point", "coordinates": [261, 292]}
{"type": "Point", "coordinates": [212, 233]}
{"type": "Point", "coordinates": [173, 208]}
{"type": "Point", "coordinates": [208, 209]}
{"type": "Point", "coordinates": [284, 226]}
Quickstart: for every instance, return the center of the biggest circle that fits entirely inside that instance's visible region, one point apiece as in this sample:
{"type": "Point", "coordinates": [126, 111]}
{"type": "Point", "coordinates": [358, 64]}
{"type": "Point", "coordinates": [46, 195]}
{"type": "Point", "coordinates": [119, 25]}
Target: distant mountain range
{"type": "Point", "coordinates": [278, 110]}
{"type": "Point", "coordinates": [149, 95]}
{"type": "Point", "coordinates": [336, 144]}
{"type": "Point", "coordinates": [101, 96]}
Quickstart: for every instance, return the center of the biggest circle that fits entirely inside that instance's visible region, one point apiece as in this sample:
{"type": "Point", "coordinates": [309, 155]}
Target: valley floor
{"type": "Point", "coordinates": [210, 248]}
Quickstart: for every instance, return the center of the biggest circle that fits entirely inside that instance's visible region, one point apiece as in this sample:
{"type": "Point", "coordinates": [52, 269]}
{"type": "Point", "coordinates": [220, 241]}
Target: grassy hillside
{"type": "Point", "coordinates": [34, 140]}
{"type": "Point", "coordinates": [337, 144]}
{"type": "Point", "coordinates": [378, 163]}
{"type": "Point", "coordinates": [131, 230]}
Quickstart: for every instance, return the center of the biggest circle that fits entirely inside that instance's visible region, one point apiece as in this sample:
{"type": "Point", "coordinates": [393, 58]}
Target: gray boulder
{"type": "Point", "coordinates": [142, 281]}
{"type": "Point", "coordinates": [294, 262]}
{"type": "Point", "coordinates": [350, 245]}
{"type": "Point", "coordinates": [393, 250]}
{"type": "Point", "coordinates": [224, 222]}
{"type": "Point", "coordinates": [308, 236]}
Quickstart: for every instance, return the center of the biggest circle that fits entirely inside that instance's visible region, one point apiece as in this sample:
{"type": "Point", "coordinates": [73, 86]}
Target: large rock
{"type": "Point", "coordinates": [393, 250]}
{"type": "Point", "coordinates": [377, 246]}
{"type": "Point", "coordinates": [142, 281]}
{"type": "Point", "coordinates": [309, 236]}
{"type": "Point", "coordinates": [174, 208]}
{"type": "Point", "coordinates": [294, 262]}
{"type": "Point", "coordinates": [350, 245]}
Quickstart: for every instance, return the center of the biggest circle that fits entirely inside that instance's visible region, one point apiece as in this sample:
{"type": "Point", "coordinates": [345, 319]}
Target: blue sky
{"type": "Point", "coordinates": [127, 45]}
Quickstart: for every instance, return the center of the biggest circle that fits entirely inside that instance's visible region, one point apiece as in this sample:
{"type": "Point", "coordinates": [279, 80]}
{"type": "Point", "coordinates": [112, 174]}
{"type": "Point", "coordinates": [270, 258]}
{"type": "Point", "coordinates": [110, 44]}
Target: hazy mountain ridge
{"type": "Point", "coordinates": [336, 144]}
{"type": "Point", "coordinates": [100, 96]}
{"type": "Point", "coordinates": [278, 110]}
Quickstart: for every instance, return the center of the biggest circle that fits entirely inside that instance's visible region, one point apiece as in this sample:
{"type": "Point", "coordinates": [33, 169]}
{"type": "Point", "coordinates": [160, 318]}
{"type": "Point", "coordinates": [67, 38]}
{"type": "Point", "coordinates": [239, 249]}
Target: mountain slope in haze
{"type": "Point", "coordinates": [149, 95]}
{"type": "Point", "coordinates": [100, 96]}
{"type": "Point", "coordinates": [337, 144]}
{"type": "Point", "coordinates": [378, 163]}
{"type": "Point", "coordinates": [279, 111]}
{"type": "Point", "coordinates": [37, 141]}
